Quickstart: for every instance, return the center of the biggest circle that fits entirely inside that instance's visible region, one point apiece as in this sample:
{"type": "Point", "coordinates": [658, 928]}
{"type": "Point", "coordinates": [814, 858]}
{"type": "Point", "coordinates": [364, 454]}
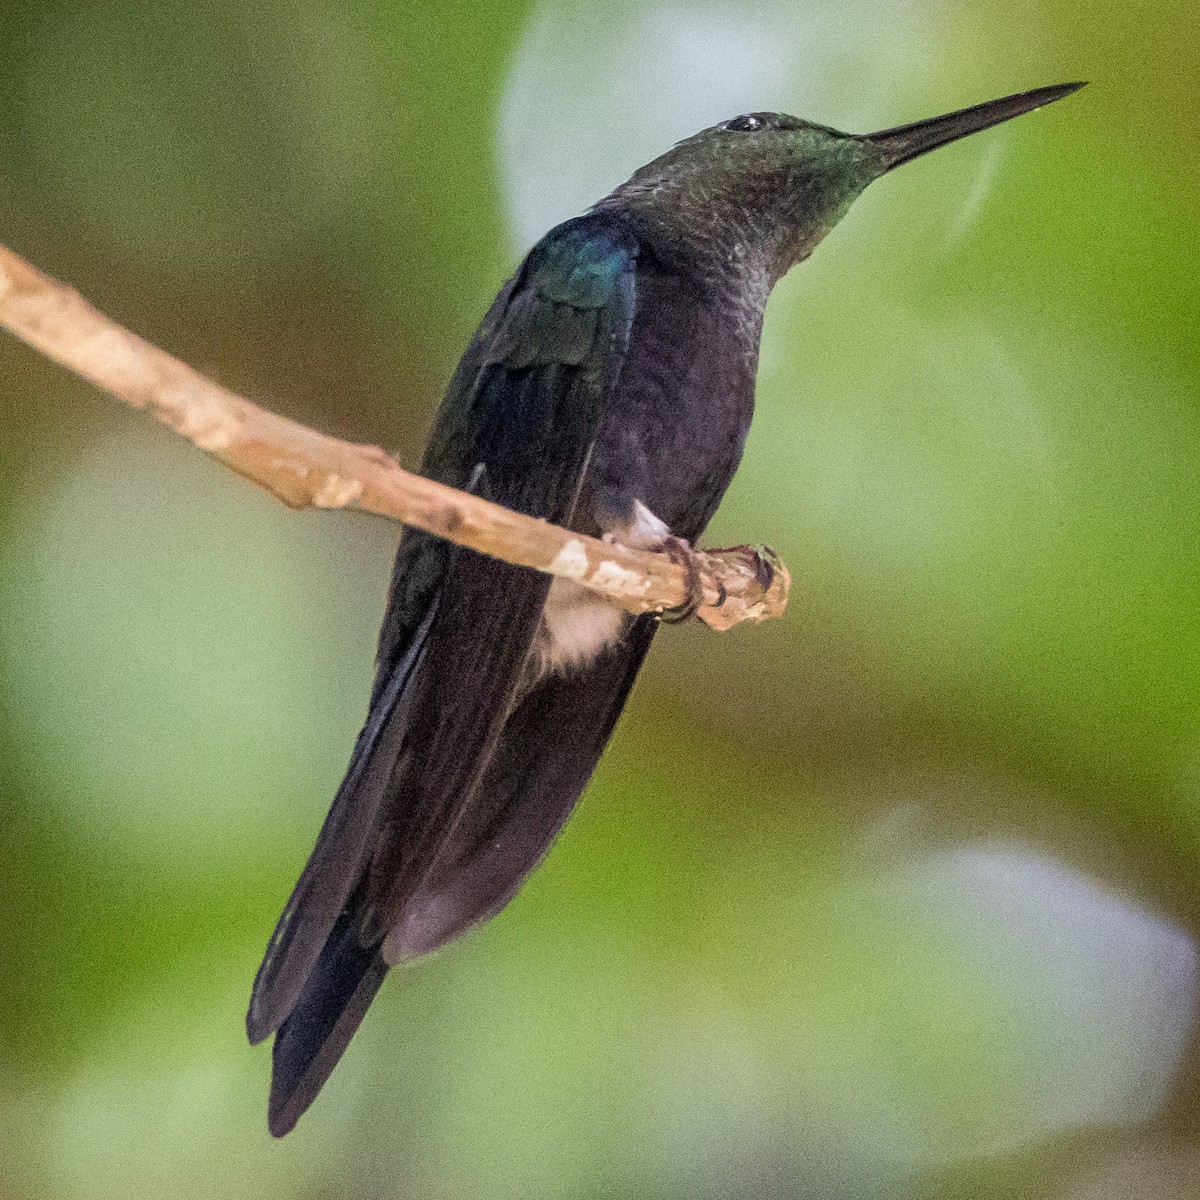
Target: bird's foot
{"type": "Point", "coordinates": [645, 531]}
{"type": "Point", "coordinates": [681, 553]}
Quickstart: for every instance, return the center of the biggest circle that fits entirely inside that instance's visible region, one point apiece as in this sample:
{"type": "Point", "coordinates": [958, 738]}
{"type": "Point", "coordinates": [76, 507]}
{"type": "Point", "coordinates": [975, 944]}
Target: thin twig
{"type": "Point", "coordinates": [306, 469]}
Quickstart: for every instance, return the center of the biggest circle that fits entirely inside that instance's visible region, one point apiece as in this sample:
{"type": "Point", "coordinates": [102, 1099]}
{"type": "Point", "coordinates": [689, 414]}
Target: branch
{"type": "Point", "coordinates": [306, 469]}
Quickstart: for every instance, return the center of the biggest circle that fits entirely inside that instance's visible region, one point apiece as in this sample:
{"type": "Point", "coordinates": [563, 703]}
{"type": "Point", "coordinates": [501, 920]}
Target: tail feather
{"type": "Point", "coordinates": [542, 763]}
{"type": "Point", "coordinates": [310, 916]}
{"type": "Point", "coordinates": [330, 1008]}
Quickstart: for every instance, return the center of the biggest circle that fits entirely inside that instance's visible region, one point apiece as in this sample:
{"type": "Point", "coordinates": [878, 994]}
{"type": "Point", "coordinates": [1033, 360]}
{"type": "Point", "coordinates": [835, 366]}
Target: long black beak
{"type": "Point", "coordinates": [906, 142]}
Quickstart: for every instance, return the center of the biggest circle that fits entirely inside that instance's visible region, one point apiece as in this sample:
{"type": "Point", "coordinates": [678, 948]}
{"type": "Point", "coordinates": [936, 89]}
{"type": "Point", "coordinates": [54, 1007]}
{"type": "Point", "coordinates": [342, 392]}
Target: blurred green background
{"type": "Point", "coordinates": [896, 897]}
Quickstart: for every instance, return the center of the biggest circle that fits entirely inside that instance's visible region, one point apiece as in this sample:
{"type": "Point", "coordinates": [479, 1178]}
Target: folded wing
{"type": "Point", "coordinates": [439, 784]}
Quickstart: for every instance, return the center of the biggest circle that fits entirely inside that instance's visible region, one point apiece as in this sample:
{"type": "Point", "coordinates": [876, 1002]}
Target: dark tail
{"type": "Point", "coordinates": [334, 1001]}
{"type": "Point", "coordinates": [535, 773]}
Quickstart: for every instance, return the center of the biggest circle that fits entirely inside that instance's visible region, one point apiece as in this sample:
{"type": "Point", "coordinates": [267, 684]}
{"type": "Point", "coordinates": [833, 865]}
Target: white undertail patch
{"type": "Point", "coordinates": [577, 623]}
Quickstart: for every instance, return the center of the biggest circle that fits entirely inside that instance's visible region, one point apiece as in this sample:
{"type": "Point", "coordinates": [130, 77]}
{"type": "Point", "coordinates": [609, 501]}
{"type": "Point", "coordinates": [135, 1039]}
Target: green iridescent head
{"type": "Point", "coordinates": [764, 188]}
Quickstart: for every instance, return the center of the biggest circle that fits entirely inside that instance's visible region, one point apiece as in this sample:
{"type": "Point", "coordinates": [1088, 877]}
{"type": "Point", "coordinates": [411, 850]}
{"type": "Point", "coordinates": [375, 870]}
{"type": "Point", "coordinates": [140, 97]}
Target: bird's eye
{"type": "Point", "coordinates": [746, 123]}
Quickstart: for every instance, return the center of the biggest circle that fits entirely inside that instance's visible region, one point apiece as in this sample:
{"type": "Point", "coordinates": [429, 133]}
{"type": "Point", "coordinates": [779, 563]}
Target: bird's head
{"type": "Point", "coordinates": [764, 188]}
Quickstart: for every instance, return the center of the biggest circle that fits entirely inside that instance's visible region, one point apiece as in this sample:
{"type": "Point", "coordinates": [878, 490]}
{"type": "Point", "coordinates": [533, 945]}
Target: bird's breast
{"type": "Point", "coordinates": [681, 407]}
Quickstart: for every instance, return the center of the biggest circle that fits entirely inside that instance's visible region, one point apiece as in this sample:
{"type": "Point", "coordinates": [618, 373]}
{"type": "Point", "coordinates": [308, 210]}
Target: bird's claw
{"type": "Point", "coordinates": [681, 553]}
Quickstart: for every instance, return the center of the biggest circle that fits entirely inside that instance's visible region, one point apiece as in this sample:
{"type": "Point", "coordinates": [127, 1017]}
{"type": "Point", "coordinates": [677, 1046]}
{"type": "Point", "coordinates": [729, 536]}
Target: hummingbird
{"type": "Point", "coordinates": [608, 389]}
